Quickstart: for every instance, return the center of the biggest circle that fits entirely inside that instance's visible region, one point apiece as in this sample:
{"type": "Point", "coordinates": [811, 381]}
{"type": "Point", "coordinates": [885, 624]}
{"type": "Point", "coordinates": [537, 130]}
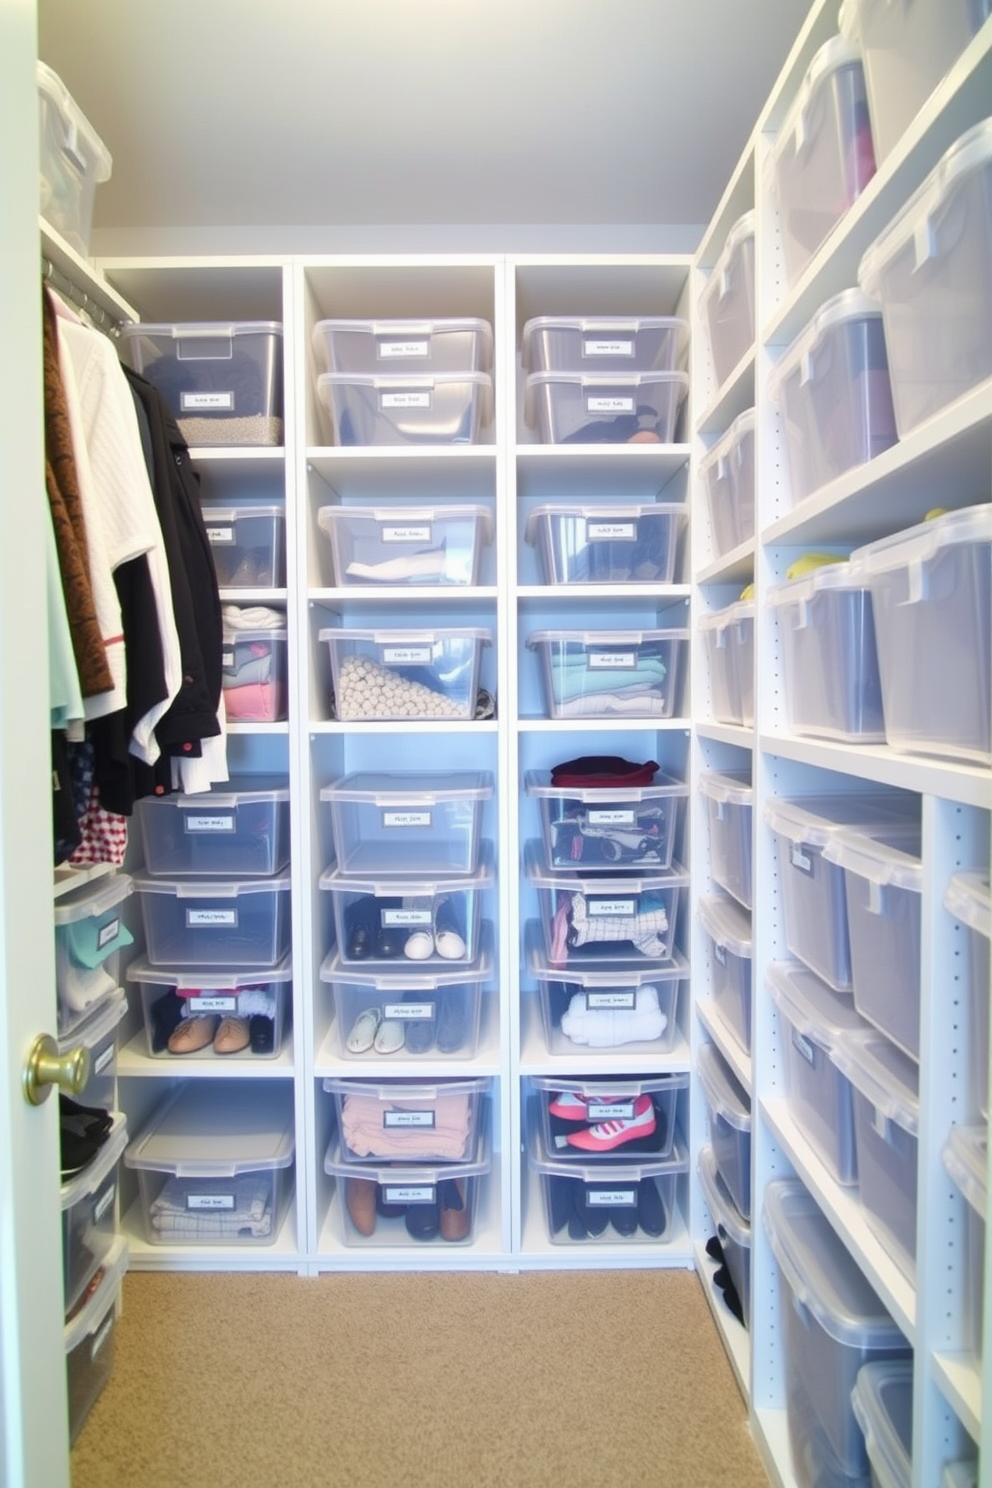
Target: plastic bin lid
{"type": "Point", "coordinates": [240, 513]}
{"type": "Point", "coordinates": [850, 304]}
{"type": "Point", "coordinates": [409, 1175]}
{"type": "Point", "coordinates": [815, 1010]}
{"type": "Point", "coordinates": [246, 788]}
{"type": "Point", "coordinates": [882, 1399]}
{"type": "Point", "coordinates": [602, 638]}
{"type": "Point", "coordinates": [74, 125]}
{"type": "Point", "coordinates": [613, 885]}
{"type": "Point", "coordinates": [728, 789]}
{"type": "Point", "coordinates": [407, 636]}
{"type": "Point", "coordinates": [828, 576]}
{"type": "Point", "coordinates": [600, 325]}
{"type": "Point", "coordinates": [203, 330]}
{"type": "Point", "coordinates": [723, 1093]}
{"type": "Point", "coordinates": [741, 232]}
{"type": "Point", "coordinates": [106, 1015]}
{"type": "Point", "coordinates": [887, 859]}
{"type": "Point", "coordinates": [329, 517]}
{"type": "Point", "coordinates": [727, 923]}
{"type": "Point", "coordinates": [729, 442]}
{"type": "Point", "coordinates": [212, 980]}
{"type": "Point", "coordinates": [721, 620]}
{"type": "Point", "coordinates": [404, 327]}
{"type": "Point", "coordinates": [917, 545]}
{"type": "Point", "coordinates": [966, 1155]}
{"type": "Point", "coordinates": [93, 898]}
{"type": "Point", "coordinates": [972, 152]}
{"type": "Point", "coordinates": [378, 788]}
{"type": "Point", "coordinates": [217, 1129]}
{"type": "Point", "coordinates": [393, 1091]}
{"type": "Point", "coordinates": [411, 884]}
{"type": "Point", "coordinates": [607, 974]}
{"type": "Point", "coordinates": [403, 382]}
{"type": "Point", "coordinates": [615, 1171]}
{"type": "Point", "coordinates": [835, 54]}
{"type": "Point", "coordinates": [89, 1318]}
{"type": "Point", "coordinates": [82, 1184]}
{"type": "Point", "coordinates": [602, 512]}
{"type": "Point", "coordinates": [885, 1076]}
{"type": "Point", "coordinates": [537, 783]}
{"type": "Point", "coordinates": [815, 819]}
{"type": "Point", "coordinates": [821, 1272]}
{"type": "Point", "coordinates": [622, 1085]}
{"type": "Point", "coordinates": [723, 1210]}
{"type": "Point", "coordinates": [211, 888]}
{"type": "Point", "coordinates": [969, 900]}
{"type": "Point", "coordinates": [333, 969]}
{"type": "Point", "coordinates": [960, 1475]}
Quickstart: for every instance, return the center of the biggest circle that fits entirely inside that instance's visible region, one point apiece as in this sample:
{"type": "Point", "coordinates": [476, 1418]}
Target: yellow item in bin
{"type": "Point", "coordinates": [934, 513]}
{"type": "Point", "coordinates": [747, 592]}
{"type": "Point", "coordinates": [809, 561]}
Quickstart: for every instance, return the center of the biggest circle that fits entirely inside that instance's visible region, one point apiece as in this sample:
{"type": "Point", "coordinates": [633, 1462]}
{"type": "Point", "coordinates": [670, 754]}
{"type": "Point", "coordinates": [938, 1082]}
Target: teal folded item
{"type": "Point", "coordinates": [573, 677]}
{"type": "Point", "coordinates": [92, 940]}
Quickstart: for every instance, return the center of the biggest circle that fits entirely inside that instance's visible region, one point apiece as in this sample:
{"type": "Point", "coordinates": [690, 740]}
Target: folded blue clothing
{"type": "Point", "coordinates": [572, 676]}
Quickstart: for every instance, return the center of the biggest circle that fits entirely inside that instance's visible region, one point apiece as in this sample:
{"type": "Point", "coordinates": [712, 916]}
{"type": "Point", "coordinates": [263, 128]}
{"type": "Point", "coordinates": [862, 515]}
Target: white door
{"type": "Point", "coordinates": [33, 1420]}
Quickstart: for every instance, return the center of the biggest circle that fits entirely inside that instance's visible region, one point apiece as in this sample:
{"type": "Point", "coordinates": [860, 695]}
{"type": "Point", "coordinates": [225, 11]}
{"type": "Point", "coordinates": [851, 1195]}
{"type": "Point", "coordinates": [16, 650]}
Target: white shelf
{"type": "Point", "coordinates": [733, 567]}
{"type": "Point", "coordinates": [537, 1249]}
{"type": "Point", "coordinates": [732, 1333]}
{"type": "Point", "coordinates": [602, 725]}
{"type": "Point", "coordinates": [571, 594]}
{"type": "Point", "coordinates": [134, 1062]}
{"type": "Point", "coordinates": [736, 394]}
{"type": "Point", "coordinates": [726, 733]}
{"type": "Point", "coordinates": [959, 1380]}
{"type": "Point", "coordinates": [712, 1020]}
{"type": "Point", "coordinates": [83, 274]}
{"type": "Point", "coordinates": [68, 878]}
{"type": "Point", "coordinates": [409, 726]}
{"type": "Point", "coordinates": [329, 1059]}
{"type": "Point", "coordinates": [971, 785]}
{"type": "Point", "coordinates": [452, 598]}
{"type": "Point", "coordinates": [282, 1255]}
{"type": "Point", "coordinates": [253, 596]}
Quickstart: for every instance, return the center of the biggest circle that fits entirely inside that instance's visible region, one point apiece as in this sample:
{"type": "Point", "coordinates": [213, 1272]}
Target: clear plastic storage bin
{"type": "Point", "coordinates": [397, 408]}
{"type": "Point", "coordinates": [729, 1109]}
{"type": "Point", "coordinates": [389, 1204]}
{"type": "Point", "coordinates": [215, 1164]}
{"type": "Point", "coordinates": [91, 1338]}
{"type": "Point", "coordinates": [404, 345]}
{"type": "Point", "coordinates": [727, 927]}
{"type": "Point", "coordinates": [606, 542]}
{"type": "Point", "coordinates": [827, 632]}
{"type": "Point", "coordinates": [248, 544]}
{"type": "Point", "coordinates": [408, 823]}
{"type": "Point", "coordinates": [435, 1121]}
{"type": "Point", "coordinates": [73, 161]}
{"type": "Point", "coordinates": [733, 1232]}
{"type": "Point", "coordinates": [604, 343]}
{"type": "Point", "coordinates": [215, 922]}
{"type": "Point", "coordinates": [222, 380]}
{"type": "Point", "coordinates": [832, 386]}
{"type": "Point", "coordinates": [962, 1474]}
{"type": "Point", "coordinates": [727, 473]}
{"type": "Point", "coordinates": [243, 830]}
{"type": "Point", "coordinates": [99, 1035]}
{"type": "Point", "coordinates": [432, 1014]}
{"type": "Point", "coordinates": [404, 545]}
{"type": "Point", "coordinates": [822, 159]}
{"type": "Point", "coordinates": [404, 674]}
{"type": "Point", "coordinates": [608, 1120]}
{"type": "Point", "coordinates": [729, 638]}
{"type": "Point", "coordinates": [606, 827]}
{"type": "Point", "coordinates": [969, 900]}
{"type": "Point", "coordinates": [965, 1158]}
{"type": "Point", "coordinates": [727, 302]}
{"type": "Point", "coordinates": [605, 407]}
{"type": "Point", "coordinates": [244, 1014]}
{"type": "Point", "coordinates": [610, 673]}
{"type": "Point", "coordinates": [932, 600]}
{"type": "Point", "coordinates": [254, 674]}
{"type": "Point", "coordinates": [89, 935]}
{"type": "Point", "coordinates": [729, 800]}
{"type": "Point", "coordinates": [89, 1215]}
{"type": "Point", "coordinates": [883, 1407]}
{"type": "Point", "coordinates": [931, 272]}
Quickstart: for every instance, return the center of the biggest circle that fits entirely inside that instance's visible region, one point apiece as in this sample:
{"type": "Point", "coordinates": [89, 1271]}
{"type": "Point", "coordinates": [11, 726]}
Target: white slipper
{"type": "Point", "coordinates": [362, 1035]}
{"type": "Point", "coordinates": [390, 1036]}
{"type": "Point", "coordinates": [419, 946]}
{"type": "Point", "coordinates": [450, 945]}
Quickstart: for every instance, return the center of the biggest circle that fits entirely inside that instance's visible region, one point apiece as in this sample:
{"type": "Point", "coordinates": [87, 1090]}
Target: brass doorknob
{"type": "Point", "coordinates": [45, 1067]}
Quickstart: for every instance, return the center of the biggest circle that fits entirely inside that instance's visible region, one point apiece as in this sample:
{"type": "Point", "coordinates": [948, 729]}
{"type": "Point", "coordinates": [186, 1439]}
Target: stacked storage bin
{"type": "Point", "coordinates": [73, 161]}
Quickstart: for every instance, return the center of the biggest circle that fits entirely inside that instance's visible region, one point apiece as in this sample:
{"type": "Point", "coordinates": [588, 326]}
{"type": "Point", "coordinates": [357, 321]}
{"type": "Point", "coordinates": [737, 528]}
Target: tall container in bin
{"type": "Point", "coordinates": [883, 1405]}
{"type": "Point", "coordinates": [73, 161]}
{"type": "Point", "coordinates": [727, 302]}
{"type": "Point", "coordinates": [727, 472]}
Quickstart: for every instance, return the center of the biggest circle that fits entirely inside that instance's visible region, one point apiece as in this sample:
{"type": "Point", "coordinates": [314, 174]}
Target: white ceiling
{"type": "Point", "coordinates": [227, 114]}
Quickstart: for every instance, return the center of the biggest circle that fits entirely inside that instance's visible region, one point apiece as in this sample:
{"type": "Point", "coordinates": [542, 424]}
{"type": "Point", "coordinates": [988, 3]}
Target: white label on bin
{"type": "Point", "coordinates": [107, 933]}
{"type": "Point", "coordinates": [616, 817]}
{"type": "Point", "coordinates": [408, 1012]}
{"type": "Point", "coordinates": [406, 819]}
{"type": "Point", "coordinates": [611, 531]}
{"type": "Point", "coordinates": [404, 400]}
{"type": "Point", "coordinates": [803, 1046]}
{"type": "Point", "coordinates": [218, 1201]}
{"type": "Point", "coordinates": [218, 536]}
{"type": "Point", "coordinates": [102, 1060]}
{"type": "Point", "coordinates": [607, 348]}
{"type": "Point", "coordinates": [408, 1194]}
{"type": "Point", "coordinates": [404, 348]}
{"type": "Point", "coordinates": [227, 658]}
{"type": "Point", "coordinates": [100, 1338]}
{"type": "Point", "coordinates": [615, 908]}
{"type": "Point", "coordinates": [221, 1003]}
{"type": "Point", "coordinates": [211, 919]}
{"type": "Point", "coordinates": [621, 1000]}
{"type": "Point", "coordinates": [610, 1110]}
{"type": "Point", "coordinates": [104, 1202]}
{"type": "Point", "coordinates": [208, 823]}
{"type": "Point", "coordinates": [407, 655]}
{"type": "Point", "coordinates": [223, 402]}
{"type": "Point", "coordinates": [611, 1198]}
{"type": "Point", "coordinates": [612, 404]}
{"type": "Point", "coordinates": [801, 860]}
{"type": "Point", "coordinates": [408, 1118]}
{"type": "Point", "coordinates": [406, 534]}
{"type": "Point", "coordinates": [406, 917]}
{"type": "Point", "coordinates": [611, 661]}
{"type": "Point", "coordinates": [720, 953]}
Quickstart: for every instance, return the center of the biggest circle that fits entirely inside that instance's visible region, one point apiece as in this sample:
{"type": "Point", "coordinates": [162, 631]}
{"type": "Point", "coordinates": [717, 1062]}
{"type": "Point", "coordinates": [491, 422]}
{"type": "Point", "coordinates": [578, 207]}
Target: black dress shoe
{"type": "Point", "coordinates": [650, 1209]}
{"type": "Point", "coordinates": [422, 1221]}
{"type": "Point", "coordinates": [360, 927]}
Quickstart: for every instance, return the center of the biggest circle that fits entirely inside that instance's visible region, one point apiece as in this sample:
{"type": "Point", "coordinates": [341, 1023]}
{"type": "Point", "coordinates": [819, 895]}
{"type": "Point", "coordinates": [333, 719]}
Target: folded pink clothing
{"type": "Point", "coordinates": [366, 1130]}
{"type": "Point", "coordinates": [257, 702]}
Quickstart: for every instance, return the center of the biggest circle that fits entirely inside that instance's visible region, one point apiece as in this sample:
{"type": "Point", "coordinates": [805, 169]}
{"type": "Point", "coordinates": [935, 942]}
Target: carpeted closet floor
{"type": "Point", "coordinates": [602, 1379]}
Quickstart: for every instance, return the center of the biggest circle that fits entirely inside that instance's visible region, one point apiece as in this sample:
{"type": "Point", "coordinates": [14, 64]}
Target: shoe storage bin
{"type": "Point", "coordinates": [727, 302]}
{"type": "Point", "coordinates": [615, 1006]}
{"type": "Point", "coordinates": [832, 389]}
{"type": "Point", "coordinates": [604, 343]}
{"type": "Point", "coordinates": [883, 886]}
{"type": "Point", "coordinates": [814, 904]}
{"type": "Point", "coordinates": [215, 922]}
{"type": "Point", "coordinates": [886, 1127]}
{"type": "Point", "coordinates": [728, 635]}
{"type": "Point", "coordinates": [90, 1339]}
{"type": "Point", "coordinates": [965, 1158]}
{"type": "Point", "coordinates": [98, 1034]}
{"type": "Point", "coordinates": [931, 272]}
{"type": "Point", "coordinates": [226, 1000]}
{"type": "Point", "coordinates": [822, 159]}
{"type": "Point", "coordinates": [435, 1121]}
{"type": "Point", "coordinates": [215, 1164]}
{"type": "Point", "coordinates": [729, 1109]}
{"type": "Point", "coordinates": [404, 407]}
{"type": "Point", "coordinates": [606, 543]}
{"type": "Point", "coordinates": [222, 381]}
{"type": "Point", "coordinates": [727, 928]}
{"type": "Point", "coordinates": [416, 1014]}
{"type": "Point", "coordinates": [73, 161]}
{"type": "Point", "coordinates": [89, 1215]}
{"type": "Point", "coordinates": [883, 1407]}
{"type": "Point", "coordinates": [244, 830]}
{"type": "Point", "coordinates": [407, 823]}
{"type": "Point", "coordinates": [89, 935]}
{"type": "Point", "coordinates": [248, 544]}
{"type": "Point", "coordinates": [404, 545]}
{"type": "Point", "coordinates": [969, 900]}
{"type": "Point", "coordinates": [606, 827]}
{"type": "Point", "coordinates": [405, 346]}
{"type": "Point", "coordinates": [393, 1204]}
{"type": "Point", "coordinates": [829, 658]}
{"type": "Point", "coordinates": [727, 473]}
{"type": "Point", "coordinates": [813, 1019]}
{"type": "Point", "coordinates": [605, 407]}
{"type": "Point", "coordinates": [623, 917]}
{"type": "Point", "coordinates": [254, 674]}
{"type": "Point", "coordinates": [405, 674]}
{"type": "Point", "coordinates": [390, 922]}
{"type": "Point", "coordinates": [932, 601]}
{"type": "Point", "coordinates": [832, 1324]}
{"type": "Point", "coordinates": [728, 807]}
{"type": "Point", "coordinates": [609, 673]}
{"type": "Point", "coordinates": [607, 1120]}
{"type": "Point", "coordinates": [733, 1232]}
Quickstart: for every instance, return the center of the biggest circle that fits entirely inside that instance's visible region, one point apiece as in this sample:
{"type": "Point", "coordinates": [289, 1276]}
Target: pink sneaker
{"type": "Point", "coordinates": [570, 1106]}
{"type": "Point", "coordinates": [609, 1134]}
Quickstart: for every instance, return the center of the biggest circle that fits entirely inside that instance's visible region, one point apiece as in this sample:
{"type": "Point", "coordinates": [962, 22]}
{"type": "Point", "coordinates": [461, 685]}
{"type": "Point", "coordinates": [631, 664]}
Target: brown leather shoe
{"type": "Point", "coordinates": [193, 1034]}
{"type": "Point", "coordinates": [233, 1035]}
{"type": "Point", "coordinates": [360, 1198]}
{"type": "Point", "coordinates": [456, 1217]}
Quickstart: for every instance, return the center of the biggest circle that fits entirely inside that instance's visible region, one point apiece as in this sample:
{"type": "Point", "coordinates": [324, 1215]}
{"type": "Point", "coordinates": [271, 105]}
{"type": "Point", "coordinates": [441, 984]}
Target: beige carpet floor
{"type": "Point", "coordinates": [540, 1380]}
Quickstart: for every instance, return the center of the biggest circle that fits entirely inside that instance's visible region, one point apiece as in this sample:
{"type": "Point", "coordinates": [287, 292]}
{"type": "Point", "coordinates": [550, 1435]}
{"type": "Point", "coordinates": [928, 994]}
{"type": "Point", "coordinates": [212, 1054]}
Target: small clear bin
{"type": "Point", "coordinates": [729, 1109]}
{"type": "Point", "coordinates": [406, 545]}
{"type": "Point", "coordinates": [215, 922]}
{"type": "Point", "coordinates": [606, 543]}
{"type": "Point", "coordinates": [727, 473]}
{"type": "Point", "coordinates": [617, 1005]}
{"type": "Point", "coordinates": [236, 1014]}
{"type": "Point", "coordinates": [99, 1035]}
{"type": "Point", "coordinates": [733, 1232]}
{"type": "Point", "coordinates": [965, 1157]}
{"type": "Point", "coordinates": [604, 343]}
{"type": "Point", "coordinates": [73, 161]}
{"type": "Point", "coordinates": [89, 1215]}
{"type": "Point", "coordinates": [254, 674]}
{"type": "Point", "coordinates": [248, 544]}
{"type": "Point", "coordinates": [606, 827]}
{"type": "Point", "coordinates": [727, 927]}
{"type": "Point", "coordinates": [89, 935]}
{"type": "Point", "coordinates": [931, 272]}
{"type": "Point", "coordinates": [408, 823]}
{"type": "Point", "coordinates": [404, 345]}
{"type": "Point", "coordinates": [830, 661]}
{"type": "Point", "coordinates": [931, 590]}
{"type": "Point", "coordinates": [883, 1407]}
{"type": "Point", "coordinates": [832, 387]}
{"type": "Point", "coordinates": [406, 673]}
{"type": "Point", "coordinates": [729, 638]}
{"type": "Point", "coordinates": [222, 380]}
{"type": "Point", "coordinates": [215, 1164]}
{"type": "Point", "coordinates": [605, 407]}
{"type": "Point", "coordinates": [389, 1204]}
{"type": "Point", "coordinates": [435, 1121]}
{"type": "Point", "coordinates": [969, 900]}
{"type": "Point", "coordinates": [244, 830]}
{"type": "Point", "coordinates": [729, 798]}
{"type": "Point", "coordinates": [823, 157]}
{"type": "Point", "coordinates": [91, 1337]}
{"type": "Point", "coordinates": [407, 408]}
{"type": "Point", "coordinates": [727, 301]}
{"type": "Point", "coordinates": [608, 1120]}
{"type": "Point", "coordinates": [610, 673]}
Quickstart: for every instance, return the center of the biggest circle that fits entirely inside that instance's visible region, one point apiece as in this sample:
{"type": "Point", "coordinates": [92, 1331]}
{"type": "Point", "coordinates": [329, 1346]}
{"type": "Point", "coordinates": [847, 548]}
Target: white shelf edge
{"type": "Point", "coordinates": [771, 1433]}
{"type": "Point", "coordinates": [576, 593]}
{"type": "Point", "coordinates": [363, 594]}
{"type": "Point", "coordinates": [731, 566]}
{"type": "Point", "coordinates": [84, 274]}
{"type": "Point", "coordinates": [67, 878]}
{"type": "Point", "coordinates": [597, 725]}
{"type": "Point", "coordinates": [733, 1335]}
{"type": "Point", "coordinates": [284, 1254]}
{"type": "Point", "coordinates": [216, 454]}
{"type": "Point", "coordinates": [726, 733]}
{"type": "Point", "coordinates": [134, 1062]}
{"type": "Point", "coordinates": [409, 726]}
{"type": "Point", "coordinates": [959, 1380]}
{"type": "Point", "coordinates": [969, 785]}
{"type": "Point", "coordinates": [721, 1034]}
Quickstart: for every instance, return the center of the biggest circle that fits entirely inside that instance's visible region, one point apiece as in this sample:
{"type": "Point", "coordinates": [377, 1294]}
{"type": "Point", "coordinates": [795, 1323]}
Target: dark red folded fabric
{"type": "Point", "coordinates": [603, 769]}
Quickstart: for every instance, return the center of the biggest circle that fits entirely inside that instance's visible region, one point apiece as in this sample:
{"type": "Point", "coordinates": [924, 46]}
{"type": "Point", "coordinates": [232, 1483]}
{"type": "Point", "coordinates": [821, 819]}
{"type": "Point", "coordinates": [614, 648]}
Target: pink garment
{"type": "Point", "coordinates": [257, 702]}
{"type": "Point", "coordinates": [104, 835]}
{"type": "Point", "coordinates": [366, 1134]}
{"type": "Point", "coordinates": [559, 933]}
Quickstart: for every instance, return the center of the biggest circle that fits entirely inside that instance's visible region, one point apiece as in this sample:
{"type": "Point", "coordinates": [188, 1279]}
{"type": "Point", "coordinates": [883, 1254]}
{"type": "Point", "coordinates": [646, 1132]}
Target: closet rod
{"type": "Point", "coordinates": [100, 317]}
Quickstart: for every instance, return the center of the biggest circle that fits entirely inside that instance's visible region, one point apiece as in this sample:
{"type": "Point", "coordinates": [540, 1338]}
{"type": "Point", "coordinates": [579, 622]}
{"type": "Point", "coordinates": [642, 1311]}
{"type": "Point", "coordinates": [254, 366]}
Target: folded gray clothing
{"type": "Point", "coordinates": [249, 667]}
{"type": "Point", "coordinates": [172, 1218]}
